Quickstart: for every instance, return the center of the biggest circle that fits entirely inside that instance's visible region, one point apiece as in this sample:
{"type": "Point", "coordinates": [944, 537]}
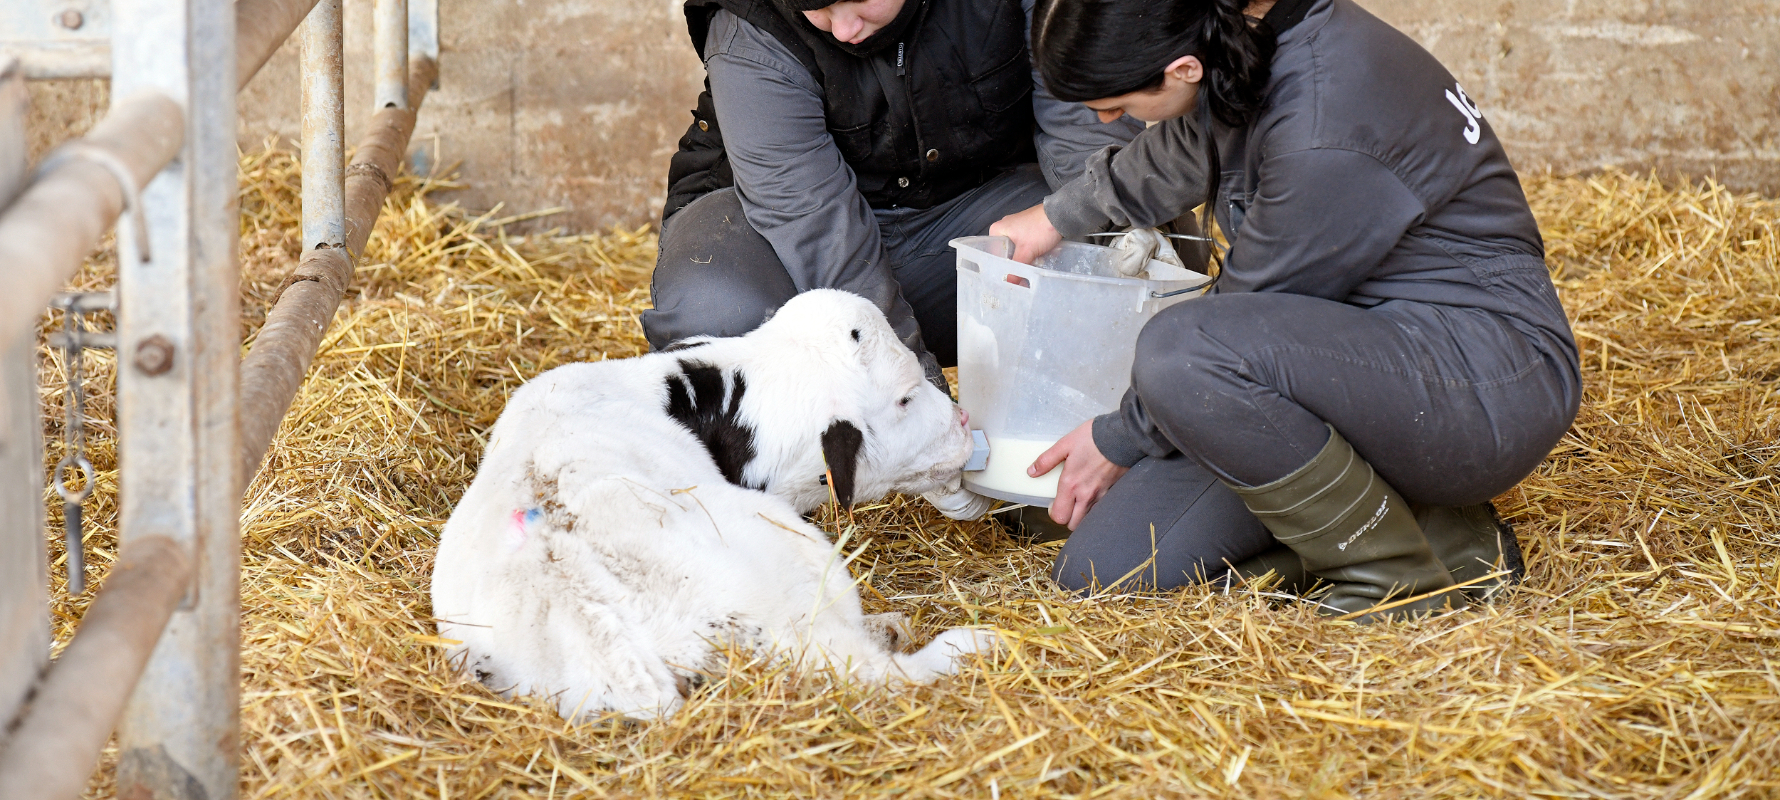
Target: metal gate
{"type": "Point", "coordinates": [156, 656]}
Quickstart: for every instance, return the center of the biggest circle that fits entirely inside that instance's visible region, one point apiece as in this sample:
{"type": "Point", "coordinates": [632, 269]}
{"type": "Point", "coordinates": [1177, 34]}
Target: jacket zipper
{"type": "Point", "coordinates": [899, 62]}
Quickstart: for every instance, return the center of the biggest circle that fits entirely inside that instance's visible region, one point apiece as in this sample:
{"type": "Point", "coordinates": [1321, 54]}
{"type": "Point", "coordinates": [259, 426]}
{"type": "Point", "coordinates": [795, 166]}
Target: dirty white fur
{"type": "Point", "coordinates": [600, 555]}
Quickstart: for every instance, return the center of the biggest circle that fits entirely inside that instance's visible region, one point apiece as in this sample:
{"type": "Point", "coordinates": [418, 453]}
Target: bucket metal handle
{"type": "Point", "coordinates": [1203, 287]}
{"type": "Point", "coordinates": [1167, 235]}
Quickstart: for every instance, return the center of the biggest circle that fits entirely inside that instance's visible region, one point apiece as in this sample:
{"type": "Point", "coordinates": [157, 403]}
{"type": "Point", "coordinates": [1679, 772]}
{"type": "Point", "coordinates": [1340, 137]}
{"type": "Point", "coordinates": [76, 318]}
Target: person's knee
{"type": "Point", "coordinates": [707, 303]}
{"type": "Point", "coordinates": [1075, 576]}
{"type": "Point", "coordinates": [716, 276]}
{"type": "Point", "coordinates": [1093, 549]}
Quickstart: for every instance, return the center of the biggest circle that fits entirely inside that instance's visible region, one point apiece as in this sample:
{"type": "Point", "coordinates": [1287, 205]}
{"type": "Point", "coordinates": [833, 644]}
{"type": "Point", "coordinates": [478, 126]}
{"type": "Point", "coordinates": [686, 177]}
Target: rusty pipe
{"type": "Point", "coordinates": [285, 347]}
{"type": "Point", "coordinates": [260, 27]}
{"type": "Point", "coordinates": [83, 693]}
{"type": "Point", "coordinates": [48, 231]}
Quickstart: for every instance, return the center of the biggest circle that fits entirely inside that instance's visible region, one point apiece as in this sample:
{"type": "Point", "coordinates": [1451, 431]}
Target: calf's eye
{"type": "Point", "coordinates": [904, 402]}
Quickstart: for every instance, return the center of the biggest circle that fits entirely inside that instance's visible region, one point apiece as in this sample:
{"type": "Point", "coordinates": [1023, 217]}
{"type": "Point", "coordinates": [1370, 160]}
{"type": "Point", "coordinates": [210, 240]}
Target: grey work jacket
{"type": "Point", "coordinates": [1368, 176]}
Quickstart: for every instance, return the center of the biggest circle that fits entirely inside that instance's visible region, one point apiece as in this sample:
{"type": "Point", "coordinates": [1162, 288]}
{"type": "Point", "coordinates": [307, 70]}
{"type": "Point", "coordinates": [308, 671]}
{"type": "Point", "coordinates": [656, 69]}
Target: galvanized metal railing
{"type": "Point", "coordinates": [156, 656]}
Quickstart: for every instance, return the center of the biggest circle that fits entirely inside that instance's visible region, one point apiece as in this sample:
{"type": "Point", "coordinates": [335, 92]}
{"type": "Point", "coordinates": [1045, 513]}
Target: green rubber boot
{"type": "Point", "coordinates": [1473, 541]}
{"type": "Point", "coordinates": [1351, 529]}
{"type": "Point", "coordinates": [1279, 561]}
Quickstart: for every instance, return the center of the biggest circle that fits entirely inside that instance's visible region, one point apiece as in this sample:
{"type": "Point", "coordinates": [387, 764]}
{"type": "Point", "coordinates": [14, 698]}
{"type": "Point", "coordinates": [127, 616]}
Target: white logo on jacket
{"type": "Point", "coordinates": [1473, 117]}
{"type": "Point", "coordinates": [631, 516]}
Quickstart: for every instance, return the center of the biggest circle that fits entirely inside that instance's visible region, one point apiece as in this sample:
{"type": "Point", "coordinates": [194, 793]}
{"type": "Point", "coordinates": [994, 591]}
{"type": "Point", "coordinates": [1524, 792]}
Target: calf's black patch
{"type": "Point", "coordinates": [698, 399]}
{"type": "Point", "coordinates": [840, 450]}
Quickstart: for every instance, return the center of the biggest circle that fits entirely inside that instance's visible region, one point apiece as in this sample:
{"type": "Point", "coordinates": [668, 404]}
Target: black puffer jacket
{"type": "Point", "coordinates": [919, 123]}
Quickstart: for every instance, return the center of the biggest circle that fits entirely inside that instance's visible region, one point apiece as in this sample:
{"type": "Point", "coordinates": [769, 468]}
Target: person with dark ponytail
{"type": "Point", "coordinates": [1382, 351]}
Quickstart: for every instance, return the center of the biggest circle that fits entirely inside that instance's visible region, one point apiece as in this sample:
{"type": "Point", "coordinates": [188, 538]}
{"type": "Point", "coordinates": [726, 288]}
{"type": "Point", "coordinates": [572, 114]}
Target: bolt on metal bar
{"type": "Point", "coordinates": [324, 129]}
{"type": "Point", "coordinates": [390, 42]}
{"type": "Point", "coordinates": [178, 363]}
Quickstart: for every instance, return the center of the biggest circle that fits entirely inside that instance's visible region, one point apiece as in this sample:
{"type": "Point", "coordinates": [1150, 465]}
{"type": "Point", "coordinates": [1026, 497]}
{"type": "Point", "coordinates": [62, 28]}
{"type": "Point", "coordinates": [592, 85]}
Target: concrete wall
{"type": "Point", "coordinates": [578, 103]}
{"type": "Point", "coordinates": [1687, 87]}
{"type": "Point", "coordinates": [573, 103]}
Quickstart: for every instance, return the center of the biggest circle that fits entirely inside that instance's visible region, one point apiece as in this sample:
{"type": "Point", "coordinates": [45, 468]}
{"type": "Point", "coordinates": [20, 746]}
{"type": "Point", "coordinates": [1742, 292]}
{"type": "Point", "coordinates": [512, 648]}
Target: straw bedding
{"type": "Point", "coordinates": [1636, 662]}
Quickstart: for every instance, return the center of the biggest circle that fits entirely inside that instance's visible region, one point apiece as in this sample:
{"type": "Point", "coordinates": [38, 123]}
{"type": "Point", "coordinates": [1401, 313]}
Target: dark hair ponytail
{"type": "Point", "coordinates": [1094, 49]}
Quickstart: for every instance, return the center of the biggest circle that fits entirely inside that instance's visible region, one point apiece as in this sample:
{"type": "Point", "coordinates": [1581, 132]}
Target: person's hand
{"type": "Point", "coordinates": [1087, 475]}
{"type": "Point", "coordinates": [1030, 231]}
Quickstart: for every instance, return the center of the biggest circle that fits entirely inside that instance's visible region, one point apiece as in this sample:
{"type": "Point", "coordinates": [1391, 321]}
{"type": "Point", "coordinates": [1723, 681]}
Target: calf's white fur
{"type": "Point", "coordinates": [631, 516]}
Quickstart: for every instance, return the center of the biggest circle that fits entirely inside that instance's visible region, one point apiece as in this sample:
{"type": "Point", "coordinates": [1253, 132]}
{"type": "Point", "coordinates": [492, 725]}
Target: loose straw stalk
{"type": "Point", "coordinates": [1634, 662]}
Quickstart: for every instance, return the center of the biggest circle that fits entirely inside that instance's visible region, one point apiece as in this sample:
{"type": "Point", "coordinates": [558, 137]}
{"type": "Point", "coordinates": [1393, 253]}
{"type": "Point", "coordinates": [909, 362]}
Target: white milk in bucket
{"type": "Point", "coordinates": [1043, 348]}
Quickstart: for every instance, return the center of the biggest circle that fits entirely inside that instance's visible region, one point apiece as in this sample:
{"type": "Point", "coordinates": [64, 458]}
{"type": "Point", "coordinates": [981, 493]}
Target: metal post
{"type": "Point", "coordinates": [24, 578]}
{"type": "Point", "coordinates": [24, 581]}
{"type": "Point", "coordinates": [324, 129]}
{"type": "Point", "coordinates": [423, 33]}
{"type": "Point", "coordinates": [390, 34]}
{"type": "Point", "coordinates": [178, 343]}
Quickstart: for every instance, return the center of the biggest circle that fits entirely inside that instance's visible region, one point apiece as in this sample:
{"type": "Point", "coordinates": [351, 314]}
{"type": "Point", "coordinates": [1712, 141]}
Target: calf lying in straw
{"type": "Point", "coordinates": [632, 516]}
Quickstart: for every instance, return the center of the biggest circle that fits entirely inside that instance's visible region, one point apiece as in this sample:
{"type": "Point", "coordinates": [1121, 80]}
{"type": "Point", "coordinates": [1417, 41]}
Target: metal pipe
{"type": "Point", "coordinates": [179, 358]}
{"type": "Point", "coordinates": [281, 354]}
{"type": "Point", "coordinates": [70, 61]}
{"type": "Point", "coordinates": [15, 105]}
{"type": "Point", "coordinates": [260, 27]}
{"type": "Point", "coordinates": [390, 32]}
{"type": "Point", "coordinates": [24, 573]}
{"type": "Point", "coordinates": [374, 165]}
{"type": "Point", "coordinates": [59, 737]}
{"type": "Point", "coordinates": [285, 347]}
{"type": "Point", "coordinates": [48, 231]}
{"type": "Point", "coordinates": [423, 32]}
{"type": "Point", "coordinates": [324, 129]}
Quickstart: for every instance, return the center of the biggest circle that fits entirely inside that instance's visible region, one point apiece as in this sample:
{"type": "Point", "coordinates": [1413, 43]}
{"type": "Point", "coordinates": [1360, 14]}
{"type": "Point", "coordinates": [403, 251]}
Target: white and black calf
{"type": "Point", "coordinates": [632, 516]}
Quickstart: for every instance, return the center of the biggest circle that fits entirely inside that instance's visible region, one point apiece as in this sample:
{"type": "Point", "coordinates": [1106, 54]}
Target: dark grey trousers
{"type": "Point", "coordinates": [717, 276]}
{"type": "Point", "coordinates": [1452, 406]}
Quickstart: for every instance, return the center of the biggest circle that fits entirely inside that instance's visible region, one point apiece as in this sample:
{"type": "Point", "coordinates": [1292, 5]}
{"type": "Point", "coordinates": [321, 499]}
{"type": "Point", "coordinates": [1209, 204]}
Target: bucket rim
{"type": "Point", "coordinates": [1170, 285]}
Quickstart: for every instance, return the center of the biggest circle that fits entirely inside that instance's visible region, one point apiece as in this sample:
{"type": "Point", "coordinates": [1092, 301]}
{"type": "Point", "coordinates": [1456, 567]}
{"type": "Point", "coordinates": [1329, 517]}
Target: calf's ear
{"type": "Point", "coordinates": [840, 451]}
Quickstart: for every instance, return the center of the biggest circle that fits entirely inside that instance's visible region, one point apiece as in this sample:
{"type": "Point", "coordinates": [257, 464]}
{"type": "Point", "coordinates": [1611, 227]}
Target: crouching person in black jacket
{"type": "Point", "coordinates": [843, 145]}
{"type": "Point", "coordinates": [1383, 351]}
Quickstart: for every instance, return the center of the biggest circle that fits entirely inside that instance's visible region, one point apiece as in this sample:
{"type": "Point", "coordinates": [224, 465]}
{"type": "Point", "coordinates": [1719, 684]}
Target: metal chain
{"type": "Point", "coordinates": [74, 431]}
{"type": "Point", "coordinates": [75, 339]}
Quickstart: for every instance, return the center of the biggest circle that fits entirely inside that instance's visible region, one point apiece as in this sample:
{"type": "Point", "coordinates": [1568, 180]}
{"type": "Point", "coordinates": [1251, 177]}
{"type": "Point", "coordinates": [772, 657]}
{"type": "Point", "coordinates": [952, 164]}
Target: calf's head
{"type": "Point", "coordinates": [822, 389]}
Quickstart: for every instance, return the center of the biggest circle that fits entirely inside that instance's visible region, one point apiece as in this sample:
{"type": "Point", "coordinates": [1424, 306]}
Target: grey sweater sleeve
{"type": "Point", "coordinates": [1157, 178]}
{"type": "Point", "coordinates": [1069, 134]}
{"type": "Point", "coordinates": [794, 185]}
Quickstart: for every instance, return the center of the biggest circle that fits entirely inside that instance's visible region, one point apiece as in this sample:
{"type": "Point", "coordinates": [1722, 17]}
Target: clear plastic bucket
{"type": "Point", "coordinates": [1043, 348]}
